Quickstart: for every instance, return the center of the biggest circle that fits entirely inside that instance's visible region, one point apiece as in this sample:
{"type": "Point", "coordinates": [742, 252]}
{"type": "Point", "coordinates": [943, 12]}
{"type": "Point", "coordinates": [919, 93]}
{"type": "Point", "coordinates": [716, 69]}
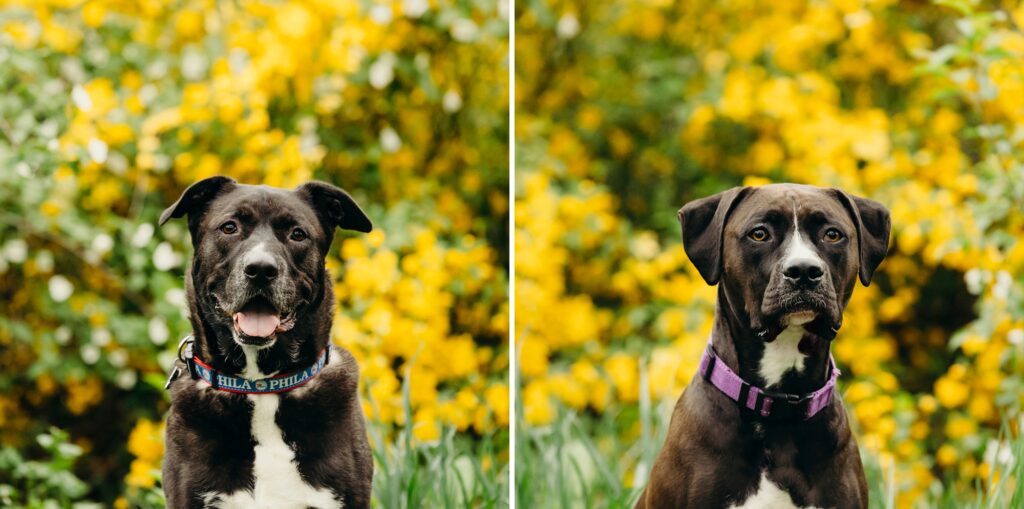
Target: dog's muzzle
{"type": "Point", "coordinates": [796, 290]}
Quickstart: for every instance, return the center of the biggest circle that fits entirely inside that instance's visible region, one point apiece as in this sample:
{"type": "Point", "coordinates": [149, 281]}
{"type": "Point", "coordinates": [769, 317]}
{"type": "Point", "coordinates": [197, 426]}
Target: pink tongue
{"type": "Point", "coordinates": [257, 324]}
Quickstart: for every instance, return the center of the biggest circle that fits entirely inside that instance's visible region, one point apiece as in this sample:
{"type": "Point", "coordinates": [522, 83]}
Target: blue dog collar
{"type": "Point", "coordinates": [239, 385]}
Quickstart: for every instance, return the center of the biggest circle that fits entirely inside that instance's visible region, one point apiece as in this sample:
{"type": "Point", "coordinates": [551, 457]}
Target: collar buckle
{"type": "Point", "coordinates": [789, 397]}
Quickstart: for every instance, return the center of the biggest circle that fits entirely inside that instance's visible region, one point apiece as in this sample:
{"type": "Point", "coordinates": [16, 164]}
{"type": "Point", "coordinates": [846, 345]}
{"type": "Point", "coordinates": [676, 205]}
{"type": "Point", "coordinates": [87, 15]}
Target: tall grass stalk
{"type": "Point", "coordinates": [456, 472]}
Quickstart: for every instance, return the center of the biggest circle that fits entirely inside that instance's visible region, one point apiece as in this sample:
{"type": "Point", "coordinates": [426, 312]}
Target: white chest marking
{"type": "Point", "coordinates": [278, 483]}
{"type": "Point", "coordinates": [783, 354]}
{"type": "Point", "coordinates": [769, 496]}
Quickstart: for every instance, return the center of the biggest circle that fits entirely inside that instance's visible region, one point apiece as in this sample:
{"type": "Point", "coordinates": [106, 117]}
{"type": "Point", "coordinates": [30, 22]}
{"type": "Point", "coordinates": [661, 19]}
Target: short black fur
{"type": "Point", "coordinates": [209, 444]}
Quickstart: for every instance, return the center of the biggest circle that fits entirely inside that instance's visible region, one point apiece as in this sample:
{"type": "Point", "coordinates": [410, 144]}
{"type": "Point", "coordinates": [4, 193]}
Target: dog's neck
{"type": "Point", "coordinates": [782, 365]}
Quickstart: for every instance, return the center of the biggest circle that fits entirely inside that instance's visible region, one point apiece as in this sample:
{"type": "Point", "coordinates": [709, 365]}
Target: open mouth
{"type": "Point", "coordinates": [260, 320]}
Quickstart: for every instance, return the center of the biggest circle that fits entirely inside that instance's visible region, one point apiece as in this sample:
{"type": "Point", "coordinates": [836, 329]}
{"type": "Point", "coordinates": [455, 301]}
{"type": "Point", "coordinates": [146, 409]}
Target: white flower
{"type": "Point", "coordinates": [142, 235]}
{"type": "Point", "coordinates": [193, 64]}
{"type": "Point", "coordinates": [102, 244]}
{"type": "Point", "coordinates": [117, 162]}
{"type": "Point", "coordinates": [238, 61]}
{"type": "Point", "coordinates": [161, 162]}
{"type": "Point", "coordinates": [81, 98]}
{"type": "Point", "coordinates": [118, 358]}
{"type": "Point", "coordinates": [382, 71]}
{"type": "Point", "coordinates": [175, 297]}
{"type": "Point", "coordinates": [15, 250]}
{"type": "Point", "coordinates": [568, 26]}
{"type": "Point", "coordinates": [62, 334]}
{"type": "Point", "coordinates": [164, 257]}
{"type": "Point", "coordinates": [415, 8]}
{"type": "Point", "coordinates": [44, 261]}
{"type": "Point", "coordinates": [389, 140]}
{"type": "Point", "coordinates": [157, 69]}
{"type": "Point", "coordinates": [101, 337]}
{"type": "Point", "coordinates": [60, 288]}
{"type": "Point", "coordinates": [1015, 336]}
{"type": "Point", "coordinates": [463, 30]}
{"type": "Point", "coordinates": [452, 101]}
{"type": "Point", "coordinates": [158, 332]}
{"type": "Point", "coordinates": [997, 452]}
{"type": "Point", "coordinates": [53, 87]}
{"type": "Point", "coordinates": [90, 353]}
{"type": "Point", "coordinates": [49, 129]}
{"type": "Point", "coordinates": [73, 71]}
{"type": "Point", "coordinates": [97, 150]}
{"type": "Point", "coordinates": [126, 379]}
{"type": "Point", "coordinates": [381, 14]}
{"type": "Point", "coordinates": [147, 93]}
{"type": "Point", "coordinates": [166, 359]}
{"type": "Point", "coordinates": [973, 280]}
{"type": "Point", "coordinates": [1004, 282]}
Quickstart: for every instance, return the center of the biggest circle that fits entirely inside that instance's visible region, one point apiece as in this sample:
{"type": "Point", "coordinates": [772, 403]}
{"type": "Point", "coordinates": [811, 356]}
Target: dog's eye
{"type": "Point", "coordinates": [833, 235]}
{"type": "Point", "coordinates": [229, 227]}
{"type": "Point", "coordinates": [298, 235]}
{"type": "Point", "coordinates": [759, 234]}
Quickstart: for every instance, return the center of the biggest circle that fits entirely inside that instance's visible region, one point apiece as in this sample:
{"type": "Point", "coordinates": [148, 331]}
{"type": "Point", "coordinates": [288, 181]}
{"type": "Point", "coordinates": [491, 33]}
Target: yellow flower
{"type": "Point", "coordinates": [537, 402]}
{"type": "Point", "coordinates": [946, 455]}
{"type": "Point", "coordinates": [146, 443]}
{"type": "Point", "coordinates": [51, 208]}
{"type": "Point", "coordinates": [622, 369]}
{"type": "Point", "coordinates": [498, 401]}
{"type": "Point", "coordinates": [533, 357]}
{"type": "Point", "coordinates": [951, 392]}
{"type": "Point", "coordinates": [93, 13]}
{"type": "Point", "coordinates": [927, 403]}
{"type": "Point", "coordinates": [959, 427]}
{"type": "Point", "coordinates": [141, 475]}
{"type": "Point", "coordinates": [146, 440]}
{"type": "Point", "coordinates": [83, 394]}
{"type": "Point", "coordinates": [425, 426]}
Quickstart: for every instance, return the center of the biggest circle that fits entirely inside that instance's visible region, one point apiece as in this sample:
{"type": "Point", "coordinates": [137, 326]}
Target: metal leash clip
{"type": "Point", "coordinates": [184, 347]}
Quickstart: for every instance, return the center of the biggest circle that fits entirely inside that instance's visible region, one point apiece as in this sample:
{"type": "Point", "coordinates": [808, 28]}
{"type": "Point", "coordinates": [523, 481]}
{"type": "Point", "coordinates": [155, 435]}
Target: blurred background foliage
{"type": "Point", "coordinates": [110, 109]}
{"type": "Point", "coordinates": [627, 110]}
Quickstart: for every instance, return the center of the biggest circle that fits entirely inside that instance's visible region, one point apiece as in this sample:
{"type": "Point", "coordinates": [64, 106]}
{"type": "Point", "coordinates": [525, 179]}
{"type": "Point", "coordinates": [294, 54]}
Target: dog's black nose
{"type": "Point", "coordinates": [261, 272]}
{"type": "Point", "coordinates": [804, 271]}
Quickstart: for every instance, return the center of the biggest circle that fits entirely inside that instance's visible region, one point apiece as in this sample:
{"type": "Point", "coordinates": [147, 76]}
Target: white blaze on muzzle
{"type": "Point", "coordinates": [798, 249]}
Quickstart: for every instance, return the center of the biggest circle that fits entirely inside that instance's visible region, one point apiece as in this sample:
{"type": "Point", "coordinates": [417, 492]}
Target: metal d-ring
{"type": "Point", "coordinates": [187, 340]}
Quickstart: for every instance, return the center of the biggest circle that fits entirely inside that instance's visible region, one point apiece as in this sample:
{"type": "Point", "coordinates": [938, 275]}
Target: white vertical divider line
{"type": "Point", "coordinates": [511, 12]}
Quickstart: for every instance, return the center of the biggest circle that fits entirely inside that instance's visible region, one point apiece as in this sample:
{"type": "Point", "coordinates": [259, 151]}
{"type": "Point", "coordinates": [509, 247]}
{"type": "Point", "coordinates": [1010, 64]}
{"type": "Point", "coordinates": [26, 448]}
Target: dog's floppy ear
{"type": "Point", "coordinates": [703, 222]}
{"type": "Point", "coordinates": [872, 220]}
{"type": "Point", "coordinates": [334, 207]}
{"type": "Point", "coordinates": [194, 200]}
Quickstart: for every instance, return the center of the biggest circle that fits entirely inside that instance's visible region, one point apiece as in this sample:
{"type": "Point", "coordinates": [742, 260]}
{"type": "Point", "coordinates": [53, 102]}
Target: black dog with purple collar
{"type": "Point", "coordinates": [786, 259]}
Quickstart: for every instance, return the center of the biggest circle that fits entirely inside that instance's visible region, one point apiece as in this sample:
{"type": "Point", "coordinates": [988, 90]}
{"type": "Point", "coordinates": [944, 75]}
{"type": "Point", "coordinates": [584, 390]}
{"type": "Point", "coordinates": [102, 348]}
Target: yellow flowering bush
{"type": "Point", "coordinates": [627, 110]}
{"type": "Point", "coordinates": [109, 109]}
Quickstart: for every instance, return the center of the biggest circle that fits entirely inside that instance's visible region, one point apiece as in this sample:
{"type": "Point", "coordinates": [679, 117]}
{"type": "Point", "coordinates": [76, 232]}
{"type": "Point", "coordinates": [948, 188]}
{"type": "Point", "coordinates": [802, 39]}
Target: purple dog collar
{"type": "Point", "coordinates": [767, 404]}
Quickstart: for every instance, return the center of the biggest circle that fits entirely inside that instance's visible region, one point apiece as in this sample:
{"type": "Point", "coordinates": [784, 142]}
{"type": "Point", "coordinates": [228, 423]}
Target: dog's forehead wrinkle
{"type": "Point", "coordinates": [265, 204]}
